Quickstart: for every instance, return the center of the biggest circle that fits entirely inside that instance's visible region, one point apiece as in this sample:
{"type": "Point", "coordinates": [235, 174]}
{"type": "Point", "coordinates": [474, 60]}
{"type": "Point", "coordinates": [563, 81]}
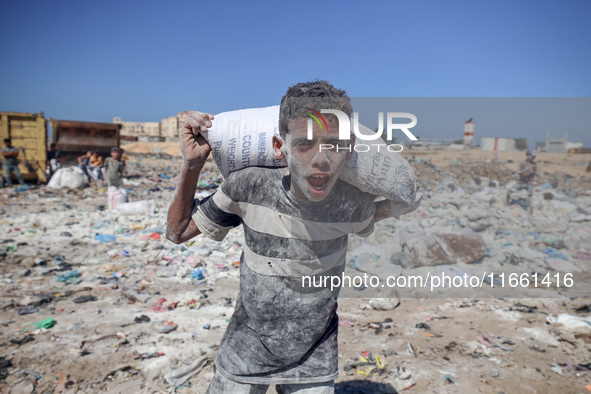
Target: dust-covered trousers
{"type": "Point", "coordinates": [222, 385]}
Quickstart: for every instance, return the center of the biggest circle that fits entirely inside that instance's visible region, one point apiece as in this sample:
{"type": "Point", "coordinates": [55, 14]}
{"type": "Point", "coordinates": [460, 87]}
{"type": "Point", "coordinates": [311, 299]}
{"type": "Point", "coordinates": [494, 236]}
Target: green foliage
{"type": "Point", "coordinates": [520, 144]}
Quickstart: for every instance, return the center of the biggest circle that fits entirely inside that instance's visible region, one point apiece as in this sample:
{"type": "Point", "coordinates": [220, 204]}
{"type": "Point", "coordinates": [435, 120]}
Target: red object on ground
{"type": "Point", "coordinates": [157, 307]}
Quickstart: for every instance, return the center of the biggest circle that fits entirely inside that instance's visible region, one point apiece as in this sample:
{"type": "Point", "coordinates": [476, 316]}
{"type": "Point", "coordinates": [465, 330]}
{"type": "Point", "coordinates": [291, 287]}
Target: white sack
{"type": "Point", "coordinates": [70, 177]}
{"type": "Point", "coordinates": [115, 197]}
{"type": "Point", "coordinates": [144, 207]}
{"type": "Point", "coordinates": [243, 138]}
{"type": "Point", "coordinates": [55, 181]}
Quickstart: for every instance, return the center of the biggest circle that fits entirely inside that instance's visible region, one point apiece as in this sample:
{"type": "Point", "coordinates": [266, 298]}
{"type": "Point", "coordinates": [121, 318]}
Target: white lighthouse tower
{"type": "Point", "coordinates": [468, 134]}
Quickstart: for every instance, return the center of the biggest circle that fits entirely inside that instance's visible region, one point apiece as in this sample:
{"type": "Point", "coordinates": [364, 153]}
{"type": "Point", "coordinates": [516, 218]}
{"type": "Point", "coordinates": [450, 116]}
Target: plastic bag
{"type": "Point", "coordinates": [144, 207]}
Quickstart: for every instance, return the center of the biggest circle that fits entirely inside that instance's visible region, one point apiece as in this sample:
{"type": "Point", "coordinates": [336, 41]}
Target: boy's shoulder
{"type": "Point", "coordinates": [253, 183]}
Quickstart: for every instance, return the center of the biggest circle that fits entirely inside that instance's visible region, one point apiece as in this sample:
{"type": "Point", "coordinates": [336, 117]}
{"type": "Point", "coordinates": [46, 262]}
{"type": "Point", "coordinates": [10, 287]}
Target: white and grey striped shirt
{"type": "Point", "coordinates": [281, 333]}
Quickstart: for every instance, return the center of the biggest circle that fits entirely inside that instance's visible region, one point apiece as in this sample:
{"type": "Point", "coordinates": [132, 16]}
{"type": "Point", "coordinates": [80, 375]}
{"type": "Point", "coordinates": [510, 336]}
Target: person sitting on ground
{"type": "Point", "coordinates": [10, 163]}
{"type": "Point", "coordinates": [96, 165]}
{"type": "Point", "coordinates": [84, 163]}
{"type": "Point", "coordinates": [276, 336]}
{"type": "Point", "coordinates": [114, 168]}
{"type": "Point", "coordinates": [96, 160]}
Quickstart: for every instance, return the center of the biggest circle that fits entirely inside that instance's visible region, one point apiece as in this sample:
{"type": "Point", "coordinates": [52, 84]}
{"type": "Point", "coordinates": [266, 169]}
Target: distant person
{"type": "Point", "coordinates": [96, 166]}
{"type": "Point", "coordinates": [527, 172]}
{"type": "Point", "coordinates": [53, 156]}
{"type": "Point", "coordinates": [96, 160]}
{"type": "Point", "coordinates": [84, 163]}
{"type": "Point", "coordinates": [124, 157]}
{"type": "Point", "coordinates": [114, 168]}
{"type": "Point", "coordinates": [10, 162]}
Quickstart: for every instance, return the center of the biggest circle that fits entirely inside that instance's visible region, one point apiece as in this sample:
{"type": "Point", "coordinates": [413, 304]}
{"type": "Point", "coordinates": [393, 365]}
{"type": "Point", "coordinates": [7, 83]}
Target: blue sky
{"type": "Point", "coordinates": [147, 60]}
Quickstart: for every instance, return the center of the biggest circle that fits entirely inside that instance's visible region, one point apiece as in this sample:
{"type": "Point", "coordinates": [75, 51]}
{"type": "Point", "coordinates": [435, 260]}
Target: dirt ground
{"type": "Point", "coordinates": [432, 345]}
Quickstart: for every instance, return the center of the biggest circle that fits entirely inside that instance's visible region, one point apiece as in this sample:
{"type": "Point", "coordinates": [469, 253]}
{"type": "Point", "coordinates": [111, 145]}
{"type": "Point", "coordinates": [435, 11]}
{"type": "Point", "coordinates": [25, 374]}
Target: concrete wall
{"type": "Point", "coordinates": [502, 144]}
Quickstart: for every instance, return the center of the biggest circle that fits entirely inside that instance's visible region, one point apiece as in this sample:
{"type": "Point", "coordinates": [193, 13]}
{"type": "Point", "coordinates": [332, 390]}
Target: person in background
{"type": "Point", "coordinates": [10, 162]}
{"type": "Point", "coordinates": [96, 165]}
{"type": "Point", "coordinates": [527, 172]}
{"type": "Point", "coordinates": [84, 163]}
{"type": "Point", "coordinates": [114, 168]}
{"type": "Point", "coordinates": [124, 157]}
{"type": "Point", "coordinates": [53, 157]}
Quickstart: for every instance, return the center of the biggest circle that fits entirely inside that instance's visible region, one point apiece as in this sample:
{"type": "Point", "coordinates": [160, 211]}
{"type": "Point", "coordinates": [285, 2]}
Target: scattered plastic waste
{"type": "Point", "coordinates": [142, 319]}
{"type": "Point", "coordinates": [105, 238]}
{"type": "Point", "coordinates": [167, 326]}
{"type": "Point", "coordinates": [181, 375]}
{"type": "Point", "coordinates": [70, 277]}
{"type": "Point", "coordinates": [45, 323]}
{"type": "Point", "coordinates": [145, 356]}
{"type": "Point", "coordinates": [83, 299]}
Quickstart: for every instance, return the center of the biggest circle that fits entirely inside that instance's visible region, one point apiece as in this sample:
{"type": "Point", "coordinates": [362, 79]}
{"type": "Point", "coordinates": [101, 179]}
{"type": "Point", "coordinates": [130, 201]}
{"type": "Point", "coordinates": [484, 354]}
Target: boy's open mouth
{"type": "Point", "coordinates": [318, 182]}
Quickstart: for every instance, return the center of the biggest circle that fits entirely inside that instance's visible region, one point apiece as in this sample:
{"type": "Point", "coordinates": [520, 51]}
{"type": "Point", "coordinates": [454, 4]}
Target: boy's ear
{"type": "Point", "coordinates": [278, 146]}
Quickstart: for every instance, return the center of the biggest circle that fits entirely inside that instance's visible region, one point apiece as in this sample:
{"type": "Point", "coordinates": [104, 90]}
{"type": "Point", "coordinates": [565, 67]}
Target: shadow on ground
{"type": "Point", "coordinates": [363, 387]}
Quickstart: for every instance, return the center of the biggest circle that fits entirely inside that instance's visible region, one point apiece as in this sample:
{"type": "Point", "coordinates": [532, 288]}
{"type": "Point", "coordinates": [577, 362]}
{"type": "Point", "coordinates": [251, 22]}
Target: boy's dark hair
{"type": "Point", "coordinates": [317, 95]}
{"type": "Point", "coordinates": [6, 140]}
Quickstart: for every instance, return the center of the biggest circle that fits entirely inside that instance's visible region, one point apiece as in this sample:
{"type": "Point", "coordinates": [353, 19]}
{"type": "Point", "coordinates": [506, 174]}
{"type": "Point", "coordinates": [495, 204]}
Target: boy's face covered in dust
{"type": "Point", "coordinates": [313, 170]}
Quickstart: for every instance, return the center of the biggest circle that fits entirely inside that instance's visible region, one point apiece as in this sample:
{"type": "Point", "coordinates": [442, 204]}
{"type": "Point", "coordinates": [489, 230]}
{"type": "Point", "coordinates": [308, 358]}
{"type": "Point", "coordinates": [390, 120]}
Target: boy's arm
{"type": "Point", "coordinates": [382, 211]}
{"type": "Point", "coordinates": [180, 227]}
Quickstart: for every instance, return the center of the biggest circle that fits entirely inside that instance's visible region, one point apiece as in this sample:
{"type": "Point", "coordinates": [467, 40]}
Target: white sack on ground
{"type": "Point", "coordinates": [144, 207]}
{"type": "Point", "coordinates": [70, 177]}
{"type": "Point", "coordinates": [115, 197]}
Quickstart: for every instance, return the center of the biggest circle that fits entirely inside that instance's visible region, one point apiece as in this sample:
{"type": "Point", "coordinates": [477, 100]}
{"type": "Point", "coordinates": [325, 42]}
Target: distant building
{"type": "Point", "coordinates": [138, 129]}
{"type": "Point", "coordinates": [169, 127]}
{"type": "Point", "coordinates": [560, 145]}
{"type": "Point", "coordinates": [182, 117]}
{"type": "Point", "coordinates": [556, 145]}
{"type": "Point", "coordinates": [172, 124]}
{"type": "Point", "coordinates": [468, 134]}
{"type": "Point", "coordinates": [496, 144]}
